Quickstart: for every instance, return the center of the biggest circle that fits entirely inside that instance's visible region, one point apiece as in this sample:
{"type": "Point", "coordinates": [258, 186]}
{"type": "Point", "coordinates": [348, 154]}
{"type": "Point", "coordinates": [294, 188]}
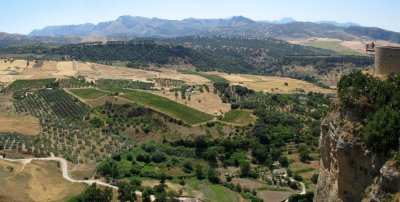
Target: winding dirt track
{"type": "Point", "coordinates": [64, 169]}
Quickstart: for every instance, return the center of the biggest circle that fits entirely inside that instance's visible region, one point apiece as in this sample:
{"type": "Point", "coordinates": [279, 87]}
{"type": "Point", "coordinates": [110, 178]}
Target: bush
{"type": "Point", "coordinates": [213, 176]}
{"type": "Point", "coordinates": [93, 193]}
{"type": "Point", "coordinates": [298, 178]}
{"type": "Point", "coordinates": [199, 173]}
{"type": "Point", "coordinates": [129, 157]}
{"type": "Point", "coordinates": [314, 178]}
{"type": "Point", "coordinates": [381, 132]}
{"type": "Point", "coordinates": [158, 157]}
{"type": "Point", "coordinates": [187, 167]}
{"type": "Point", "coordinates": [143, 157]}
{"type": "Point", "coordinates": [283, 160]}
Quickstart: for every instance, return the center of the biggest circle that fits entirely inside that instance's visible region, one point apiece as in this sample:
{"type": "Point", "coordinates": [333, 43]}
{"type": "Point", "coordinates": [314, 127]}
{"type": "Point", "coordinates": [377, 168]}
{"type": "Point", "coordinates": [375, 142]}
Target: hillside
{"type": "Point", "coordinates": [235, 26]}
{"type": "Point", "coordinates": [227, 54]}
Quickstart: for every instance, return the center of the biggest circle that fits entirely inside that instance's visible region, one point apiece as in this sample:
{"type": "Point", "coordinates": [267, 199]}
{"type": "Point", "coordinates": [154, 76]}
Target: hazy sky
{"type": "Point", "coordinates": [22, 16]}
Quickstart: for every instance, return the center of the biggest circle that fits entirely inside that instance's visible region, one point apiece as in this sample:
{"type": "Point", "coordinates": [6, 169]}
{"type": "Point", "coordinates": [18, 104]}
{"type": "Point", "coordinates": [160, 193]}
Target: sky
{"type": "Point", "coordinates": [22, 16]}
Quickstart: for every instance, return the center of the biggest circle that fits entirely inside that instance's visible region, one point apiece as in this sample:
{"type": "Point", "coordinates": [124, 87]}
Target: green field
{"type": "Point", "coordinates": [213, 192]}
{"type": "Point", "coordinates": [238, 117]}
{"type": "Point", "coordinates": [334, 46]}
{"type": "Point", "coordinates": [212, 78]}
{"type": "Point", "coordinates": [164, 105]}
{"type": "Point", "coordinates": [88, 93]}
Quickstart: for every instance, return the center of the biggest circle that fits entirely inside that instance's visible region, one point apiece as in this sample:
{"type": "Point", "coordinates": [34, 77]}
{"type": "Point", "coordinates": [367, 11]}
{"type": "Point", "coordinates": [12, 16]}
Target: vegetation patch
{"type": "Point", "coordinates": [211, 77]}
{"type": "Point", "coordinates": [378, 102]}
{"type": "Point", "coordinates": [164, 105]}
{"type": "Point", "coordinates": [334, 46]}
{"type": "Point", "coordinates": [19, 85]}
{"type": "Point", "coordinates": [238, 116]}
{"type": "Point", "coordinates": [88, 93]}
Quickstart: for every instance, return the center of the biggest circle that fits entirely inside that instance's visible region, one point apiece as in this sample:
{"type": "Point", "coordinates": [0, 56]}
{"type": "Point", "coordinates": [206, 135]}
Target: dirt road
{"type": "Point", "coordinates": [64, 169]}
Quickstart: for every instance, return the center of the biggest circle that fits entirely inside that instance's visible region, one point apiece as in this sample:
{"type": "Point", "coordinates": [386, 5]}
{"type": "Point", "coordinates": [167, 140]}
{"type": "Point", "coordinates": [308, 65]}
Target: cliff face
{"type": "Point", "coordinates": [349, 171]}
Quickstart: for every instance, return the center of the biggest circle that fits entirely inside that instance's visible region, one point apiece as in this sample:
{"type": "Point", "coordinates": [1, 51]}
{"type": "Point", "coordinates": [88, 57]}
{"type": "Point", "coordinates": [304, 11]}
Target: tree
{"type": "Point", "coordinates": [126, 192]}
{"type": "Point", "coordinates": [381, 133]}
{"type": "Point", "coordinates": [94, 194]}
{"type": "Point", "coordinates": [283, 160]}
{"type": "Point", "coordinates": [187, 167]}
{"type": "Point", "coordinates": [245, 169]}
{"type": "Point", "coordinates": [199, 173]}
{"type": "Point", "coordinates": [108, 169]}
{"type": "Point", "coordinates": [314, 178]}
{"type": "Point", "coordinates": [213, 176]}
{"type": "Point", "coordinates": [304, 155]}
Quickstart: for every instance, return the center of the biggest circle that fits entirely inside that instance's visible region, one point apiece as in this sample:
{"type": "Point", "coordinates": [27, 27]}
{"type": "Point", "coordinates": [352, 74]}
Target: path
{"type": "Point", "coordinates": [64, 169]}
{"type": "Point", "coordinates": [303, 188]}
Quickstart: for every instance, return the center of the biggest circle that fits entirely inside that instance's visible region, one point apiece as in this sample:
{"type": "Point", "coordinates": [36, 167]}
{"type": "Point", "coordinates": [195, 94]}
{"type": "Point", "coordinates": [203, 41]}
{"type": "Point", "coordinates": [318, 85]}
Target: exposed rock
{"type": "Point", "coordinates": [349, 171]}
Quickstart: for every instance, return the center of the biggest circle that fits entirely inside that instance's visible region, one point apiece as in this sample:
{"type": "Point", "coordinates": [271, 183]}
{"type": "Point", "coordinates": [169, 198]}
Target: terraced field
{"type": "Point", "coordinates": [164, 105]}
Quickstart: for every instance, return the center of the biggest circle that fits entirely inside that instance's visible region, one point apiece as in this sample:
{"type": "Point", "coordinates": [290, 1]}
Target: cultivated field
{"type": "Point", "coordinates": [23, 124]}
{"type": "Point", "coordinates": [239, 117]}
{"type": "Point", "coordinates": [88, 93]}
{"type": "Point", "coordinates": [273, 84]}
{"type": "Point", "coordinates": [164, 105]}
{"type": "Point", "coordinates": [206, 102]}
{"type": "Point", "coordinates": [36, 181]}
{"type": "Point", "coordinates": [93, 71]}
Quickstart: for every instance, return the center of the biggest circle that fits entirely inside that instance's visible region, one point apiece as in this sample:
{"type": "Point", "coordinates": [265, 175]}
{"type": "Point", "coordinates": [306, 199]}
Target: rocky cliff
{"type": "Point", "coordinates": [349, 170]}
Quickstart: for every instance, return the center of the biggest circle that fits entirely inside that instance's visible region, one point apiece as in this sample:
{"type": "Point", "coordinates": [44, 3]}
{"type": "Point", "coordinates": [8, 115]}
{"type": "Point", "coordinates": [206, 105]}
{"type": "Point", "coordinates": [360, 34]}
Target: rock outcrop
{"type": "Point", "coordinates": [349, 171]}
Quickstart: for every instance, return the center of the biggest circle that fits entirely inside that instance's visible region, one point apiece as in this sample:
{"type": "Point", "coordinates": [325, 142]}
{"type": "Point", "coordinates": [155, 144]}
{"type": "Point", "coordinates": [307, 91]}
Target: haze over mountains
{"type": "Point", "coordinates": [128, 27]}
{"type": "Point", "coordinates": [234, 26]}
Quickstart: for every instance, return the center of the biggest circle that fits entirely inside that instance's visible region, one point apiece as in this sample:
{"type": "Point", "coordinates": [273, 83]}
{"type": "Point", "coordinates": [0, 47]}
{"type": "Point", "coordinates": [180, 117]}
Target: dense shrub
{"type": "Point", "coordinates": [379, 100]}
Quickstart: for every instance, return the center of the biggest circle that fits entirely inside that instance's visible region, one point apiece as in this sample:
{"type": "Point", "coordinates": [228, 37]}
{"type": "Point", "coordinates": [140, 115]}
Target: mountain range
{"type": "Point", "coordinates": [155, 27]}
{"type": "Point", "coordinates": [234, 26]}
{"type": "Point", "coordinates": [128, 27]}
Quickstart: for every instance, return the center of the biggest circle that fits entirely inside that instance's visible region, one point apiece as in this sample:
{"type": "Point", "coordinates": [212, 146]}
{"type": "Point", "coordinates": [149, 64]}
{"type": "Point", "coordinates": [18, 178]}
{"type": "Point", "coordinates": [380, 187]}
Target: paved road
{"type": "Point", "coordinates": [64, 169]}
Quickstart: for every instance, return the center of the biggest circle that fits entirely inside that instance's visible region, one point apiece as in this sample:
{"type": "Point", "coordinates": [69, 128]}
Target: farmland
{"type": "Point", "coordinates": [213, 78]}
{"type": "Point", "coordinates": [36, 181]}
{"type": "Point", "coordinates": [164, 105]}
{"type": "Point", "coordinates": [88, 93]}
{"type": "Point", "coordinates": [238, 117]}
{"type": "Point", "coordinates": [334, 45]}
{"type": "Point", "coordinates": [24, 124]}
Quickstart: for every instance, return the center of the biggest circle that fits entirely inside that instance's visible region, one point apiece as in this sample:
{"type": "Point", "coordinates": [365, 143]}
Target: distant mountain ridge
{"type": "Point", "coordinates": [234, 26]}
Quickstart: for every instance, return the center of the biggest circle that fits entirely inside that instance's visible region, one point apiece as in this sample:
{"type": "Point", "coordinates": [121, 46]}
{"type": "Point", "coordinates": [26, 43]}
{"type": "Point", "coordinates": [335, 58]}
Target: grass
{"type": "Point", "coordinates": [238, 117]}
{"type": "Point", "coordinates": [164, 105]}
{"type": "Point", "coordinates": [88, 93]}
{"type": "Point", "coordinates": [213, 192]}
{"type": "Point", "coordinates": [334, 46]}
{"type": "Point", "coordinates": [212, 78]}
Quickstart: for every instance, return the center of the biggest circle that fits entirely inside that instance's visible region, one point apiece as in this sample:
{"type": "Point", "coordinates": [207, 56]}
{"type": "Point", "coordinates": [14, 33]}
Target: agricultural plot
{"type": "Point", "coordinates": [88, 93]}
{"type": "Point", "coordinates": [124, 83]}
{"type": "Point", "coordinates": [164, 105]}
{"type": "Point", "coordinates": [274, 84]}
{"type": "Point", "coordinates": [63, 131]}
{"type": "Point", "coordinates": [212, 77]}
{"type": "Point", "coordinates": [73, 82]}
{"type": "Point", "coordinates": [24, 124]}
{"type": "Point", "coordinates": [239, 117]}
{"type": "Point", "coordinates": [20, 85]}
{"type": "Point", "coordinates": [36, 181]}
{"type": "Point", "coordinates": [201, 98]}
{"type": "Point", "coordinates": [334, 45]}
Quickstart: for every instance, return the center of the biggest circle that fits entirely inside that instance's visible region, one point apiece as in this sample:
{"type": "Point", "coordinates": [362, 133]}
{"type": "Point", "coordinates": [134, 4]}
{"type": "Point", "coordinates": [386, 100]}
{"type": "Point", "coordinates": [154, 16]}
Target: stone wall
{"type": "Point", "coordinates": [387, 60]}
